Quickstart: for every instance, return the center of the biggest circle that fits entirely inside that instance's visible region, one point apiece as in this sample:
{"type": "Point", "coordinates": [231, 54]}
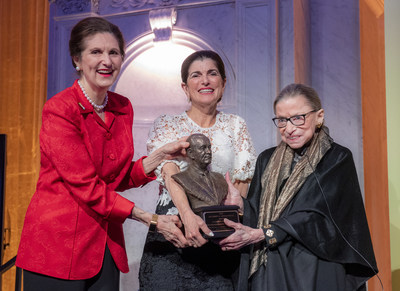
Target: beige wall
{"type": "Point", "coordinates": [392, 51]}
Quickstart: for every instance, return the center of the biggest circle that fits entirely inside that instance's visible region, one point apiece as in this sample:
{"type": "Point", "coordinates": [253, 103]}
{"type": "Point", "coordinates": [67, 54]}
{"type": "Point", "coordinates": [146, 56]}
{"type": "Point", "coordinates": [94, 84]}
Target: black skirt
{"type": "Point", "coordinates": [165, 267]}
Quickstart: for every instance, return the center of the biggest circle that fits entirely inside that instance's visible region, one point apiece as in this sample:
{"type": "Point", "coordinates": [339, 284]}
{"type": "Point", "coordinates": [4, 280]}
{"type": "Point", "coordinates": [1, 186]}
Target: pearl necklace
{"type": "Point", "coordinates": [95, 106]}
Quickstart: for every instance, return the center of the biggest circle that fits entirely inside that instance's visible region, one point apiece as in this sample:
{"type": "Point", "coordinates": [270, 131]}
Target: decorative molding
{"type": "Point", "coordinates": [95, 6]}
{"type": "Point", "coordinates": [73, 6]}
{"type": "Point", "coordinates": [141, 3]}
{"type": "Point", "coordinates": [161, 21]}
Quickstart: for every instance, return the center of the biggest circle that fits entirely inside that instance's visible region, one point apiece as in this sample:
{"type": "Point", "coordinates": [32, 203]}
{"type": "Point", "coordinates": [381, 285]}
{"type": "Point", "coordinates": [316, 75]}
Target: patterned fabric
{"type": "Point", "coordinates": [232, 148]}
{"type": "Point", "coordinates": [76, 210]}
{"type": "Point", "coordinates": [207, 267]}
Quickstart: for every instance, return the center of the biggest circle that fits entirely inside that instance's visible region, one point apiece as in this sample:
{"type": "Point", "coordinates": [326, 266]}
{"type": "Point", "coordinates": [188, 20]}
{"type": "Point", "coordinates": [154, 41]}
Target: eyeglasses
{"type": "Point", "coordinates": [296, 120]}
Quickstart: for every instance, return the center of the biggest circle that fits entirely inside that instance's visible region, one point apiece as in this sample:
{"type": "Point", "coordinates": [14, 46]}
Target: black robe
{"type": "Point", "coordinates": [323, 237]}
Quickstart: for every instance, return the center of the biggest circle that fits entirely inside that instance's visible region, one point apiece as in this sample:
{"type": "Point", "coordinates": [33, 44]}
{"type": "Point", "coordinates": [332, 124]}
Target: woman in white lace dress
{"type": "Point", "coordinates": [202, 265]}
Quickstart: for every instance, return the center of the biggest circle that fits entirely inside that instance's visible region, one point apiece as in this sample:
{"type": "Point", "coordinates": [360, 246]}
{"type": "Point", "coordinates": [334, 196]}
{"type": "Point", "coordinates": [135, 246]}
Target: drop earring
{"type": "Point", "coordinates": [77, 68]}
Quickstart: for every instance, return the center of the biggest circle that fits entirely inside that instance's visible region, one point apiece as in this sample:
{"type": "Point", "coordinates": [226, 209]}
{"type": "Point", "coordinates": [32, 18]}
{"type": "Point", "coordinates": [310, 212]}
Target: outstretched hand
{"type": "Point", "coordinates": [169, 226]}
{"type": "Point", "coordinates": [242, 236]}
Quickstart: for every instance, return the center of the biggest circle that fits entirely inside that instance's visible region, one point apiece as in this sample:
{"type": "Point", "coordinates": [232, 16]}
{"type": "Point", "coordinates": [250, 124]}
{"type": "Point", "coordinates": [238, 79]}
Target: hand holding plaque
{"type": "Point", "coordinates": [206, 190]}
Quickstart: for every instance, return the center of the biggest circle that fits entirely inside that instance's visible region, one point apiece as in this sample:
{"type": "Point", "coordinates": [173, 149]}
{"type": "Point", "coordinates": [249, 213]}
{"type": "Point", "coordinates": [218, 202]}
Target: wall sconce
{"type": "Point", "coordinates": [161, 22]}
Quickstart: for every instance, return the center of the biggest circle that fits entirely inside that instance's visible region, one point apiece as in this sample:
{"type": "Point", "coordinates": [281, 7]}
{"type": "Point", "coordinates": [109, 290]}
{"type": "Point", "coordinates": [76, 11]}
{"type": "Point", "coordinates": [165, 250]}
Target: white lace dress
{"type": "Point", "coordinates": [164, 267]}
{"type": "Point", "coordinates": [232, 148]}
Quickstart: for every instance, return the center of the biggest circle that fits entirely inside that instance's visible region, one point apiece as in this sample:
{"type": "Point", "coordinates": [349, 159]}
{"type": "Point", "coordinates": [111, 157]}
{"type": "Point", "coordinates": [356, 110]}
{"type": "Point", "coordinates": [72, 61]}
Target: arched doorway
{"type": "Point", "coordinates": [150, 78]}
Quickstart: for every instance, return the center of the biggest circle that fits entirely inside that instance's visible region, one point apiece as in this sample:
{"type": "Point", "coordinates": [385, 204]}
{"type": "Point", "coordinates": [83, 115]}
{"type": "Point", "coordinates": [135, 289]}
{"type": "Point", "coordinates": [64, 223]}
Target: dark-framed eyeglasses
{"type": "Point", "coordinates": [296, 120]}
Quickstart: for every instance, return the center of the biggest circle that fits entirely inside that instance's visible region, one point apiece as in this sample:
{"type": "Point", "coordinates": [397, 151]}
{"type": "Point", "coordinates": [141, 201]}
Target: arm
{"type": "Point", "coordinates": [245, 235]}
{"type": "Point", "coordinates": [71, 162]}
{"type": "Point", "coordinates": [141, 171]}
{"type": "Point", "coordinates": [242, 236]}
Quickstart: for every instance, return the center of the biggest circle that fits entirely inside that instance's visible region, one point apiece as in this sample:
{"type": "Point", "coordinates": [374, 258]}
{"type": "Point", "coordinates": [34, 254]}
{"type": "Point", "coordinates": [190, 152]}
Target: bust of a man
{"type": "Point", "coordinates": [203, 188]}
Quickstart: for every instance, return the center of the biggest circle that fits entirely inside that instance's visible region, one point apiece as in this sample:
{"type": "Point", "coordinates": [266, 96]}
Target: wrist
{"type": "Point", "coordinates": [152, 161]}
{"type": "Point", "coordinates": [141, 215]}
{"type": "Point", "coordinates": [258, 235]}
{"type": "Point", "coordinates": [186, 214]}
{"type": "Point", "coordinates": [153, 223]}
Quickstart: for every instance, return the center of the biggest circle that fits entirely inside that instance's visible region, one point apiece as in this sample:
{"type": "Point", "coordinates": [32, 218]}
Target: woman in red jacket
{"type": "Point", "coordinates": [72, 237]}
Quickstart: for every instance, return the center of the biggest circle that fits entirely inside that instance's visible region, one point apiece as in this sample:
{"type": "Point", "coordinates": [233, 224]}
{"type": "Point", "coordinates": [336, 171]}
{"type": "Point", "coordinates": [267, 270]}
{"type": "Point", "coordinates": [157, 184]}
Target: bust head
{"type": "Point", "coordinates": [203, 187]}
{"type": "Point", "coordinates": [199, 151]}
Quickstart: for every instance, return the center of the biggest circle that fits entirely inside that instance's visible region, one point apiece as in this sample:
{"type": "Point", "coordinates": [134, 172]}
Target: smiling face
{"type": "Point", "coordinates": [297, 136]}
{"type": "Point", "coordinates": [100, 62]}
{"type": "Point", "coordinates": [205, 85]}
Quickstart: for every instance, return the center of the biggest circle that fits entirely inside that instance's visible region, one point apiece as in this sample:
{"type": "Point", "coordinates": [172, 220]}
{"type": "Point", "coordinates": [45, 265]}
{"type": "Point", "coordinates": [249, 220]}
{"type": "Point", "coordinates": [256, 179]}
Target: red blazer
{"type": "Point", "coordinates": [75, 210]}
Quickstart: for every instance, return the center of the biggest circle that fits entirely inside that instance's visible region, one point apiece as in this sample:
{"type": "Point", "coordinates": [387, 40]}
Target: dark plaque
{"type": "Point", "coordinates": [214, 218]}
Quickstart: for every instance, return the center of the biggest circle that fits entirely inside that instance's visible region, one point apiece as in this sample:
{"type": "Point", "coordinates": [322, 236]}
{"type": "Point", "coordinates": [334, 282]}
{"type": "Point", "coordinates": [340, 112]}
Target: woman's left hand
{"type": "Point", "coordinates": [242, 236]}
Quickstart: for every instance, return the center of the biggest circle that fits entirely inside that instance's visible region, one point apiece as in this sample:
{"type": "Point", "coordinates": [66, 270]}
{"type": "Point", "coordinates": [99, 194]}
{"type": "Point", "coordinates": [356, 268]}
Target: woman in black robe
{"type": "Point", "coordinates": [304, 224]}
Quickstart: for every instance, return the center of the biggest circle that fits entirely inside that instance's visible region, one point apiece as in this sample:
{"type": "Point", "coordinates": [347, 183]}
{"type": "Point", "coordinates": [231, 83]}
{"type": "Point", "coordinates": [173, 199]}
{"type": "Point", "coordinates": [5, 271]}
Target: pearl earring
{"type": "Point", "coordinates": [77, 69]}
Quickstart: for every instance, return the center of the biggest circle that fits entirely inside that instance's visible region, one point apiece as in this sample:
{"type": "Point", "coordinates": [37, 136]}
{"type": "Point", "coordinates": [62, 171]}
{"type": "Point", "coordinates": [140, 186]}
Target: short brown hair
{"type": "Point", "coordinates": [200, 55]}
{"type": "Point", "coordinates": [90, 26]}
{"type": "Point", "coordinates": [296, 89]}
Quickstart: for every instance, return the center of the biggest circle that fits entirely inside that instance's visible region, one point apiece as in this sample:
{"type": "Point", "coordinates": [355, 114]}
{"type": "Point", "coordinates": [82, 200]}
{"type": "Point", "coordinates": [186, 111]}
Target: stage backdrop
{"type": "Point", "coordinates": [23, 45]}
{"type": "Point", "coordinates": [265, 44]}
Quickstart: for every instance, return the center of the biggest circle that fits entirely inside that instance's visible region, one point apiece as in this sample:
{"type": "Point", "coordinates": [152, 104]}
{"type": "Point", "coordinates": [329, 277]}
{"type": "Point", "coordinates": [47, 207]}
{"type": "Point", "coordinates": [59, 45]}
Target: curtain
{"type": "Point", "coordinates": [23, 83]}
{"type": "Point", "coordinates": [373, 92]}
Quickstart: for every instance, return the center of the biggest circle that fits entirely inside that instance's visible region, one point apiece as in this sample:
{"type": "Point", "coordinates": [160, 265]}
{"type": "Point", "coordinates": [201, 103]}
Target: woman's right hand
{"type": "Point", "coordinates": [233, 197]}
{"type": "Point", "coordinates": [193, 224]}
{"type": "Point", "coordinates": [170, 227]}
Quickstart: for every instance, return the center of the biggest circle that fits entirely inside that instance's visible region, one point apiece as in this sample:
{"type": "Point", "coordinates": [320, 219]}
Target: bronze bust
{"type": "Point", "coordinates": [203, 188]}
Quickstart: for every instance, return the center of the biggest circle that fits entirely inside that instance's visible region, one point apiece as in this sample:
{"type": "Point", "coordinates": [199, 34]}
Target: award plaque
{"type": "Point", "coordinates": [214, 216]}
